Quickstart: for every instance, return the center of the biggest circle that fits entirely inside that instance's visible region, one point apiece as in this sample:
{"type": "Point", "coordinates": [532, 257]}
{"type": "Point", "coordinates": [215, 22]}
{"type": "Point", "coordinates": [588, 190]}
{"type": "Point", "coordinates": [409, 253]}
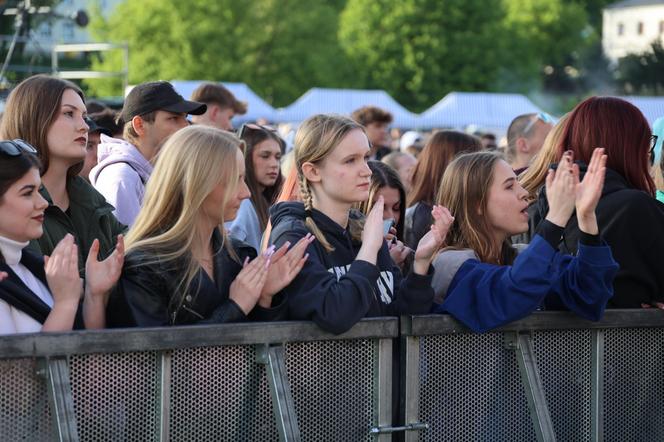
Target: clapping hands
{"type": "Point", "coordinates": [433, 240]}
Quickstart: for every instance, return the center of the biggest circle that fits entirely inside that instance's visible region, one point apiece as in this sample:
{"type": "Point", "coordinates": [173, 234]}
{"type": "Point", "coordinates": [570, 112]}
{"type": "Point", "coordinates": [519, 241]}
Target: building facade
{"type": "Point", "coordinates": [631, 26]}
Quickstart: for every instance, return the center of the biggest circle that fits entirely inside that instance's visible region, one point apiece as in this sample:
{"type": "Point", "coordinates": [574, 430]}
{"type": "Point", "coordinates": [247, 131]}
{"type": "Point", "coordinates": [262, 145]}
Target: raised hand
{"type": "Point", "coordinates": [561, 190]}
{"type": "Point", "coordinates": [433, 240]}
{"type": "Point", "coordinates": [101, 276]}
{"type": "Point", "coordinates": [248, 284]}
{"type": "Point", "coordinates": [284, 267]}
{"type": "Point", "coordinates": [372, 234]}
{"type": "Point", "coordinates": [61, 270]}
{"type": "Point", "coordinates": [589, 191]}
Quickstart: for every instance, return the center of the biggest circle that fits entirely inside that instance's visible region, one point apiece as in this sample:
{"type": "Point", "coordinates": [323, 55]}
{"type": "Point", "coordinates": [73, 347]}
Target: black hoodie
{"type": "Point", "coordinates": [334, 289]}
{"type": "Point", "coordinates": [632, 223]}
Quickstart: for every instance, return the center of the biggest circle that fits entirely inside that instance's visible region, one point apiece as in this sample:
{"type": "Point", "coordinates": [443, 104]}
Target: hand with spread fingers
{"type": "Point", "coordinates": [248, 284]}
{"type": "Point", "coordinates": [589, 191]}
{"type": "Point", "coordinates": [100, 278]}
{"type": "Point", "coordinates": [285, 265]}
{"type": "Point", "coordinates": [433, 240]}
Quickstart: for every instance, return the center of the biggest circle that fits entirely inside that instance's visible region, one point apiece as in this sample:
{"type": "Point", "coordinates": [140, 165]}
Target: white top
{"type": "Point", "coordinates": [13, 320]}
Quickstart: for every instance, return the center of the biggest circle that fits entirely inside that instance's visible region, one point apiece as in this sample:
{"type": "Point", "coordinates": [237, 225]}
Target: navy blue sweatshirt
{"type": "Point", "coordinates": [334, 289]}
{"type": "Point", "coordinates": [485, 296]}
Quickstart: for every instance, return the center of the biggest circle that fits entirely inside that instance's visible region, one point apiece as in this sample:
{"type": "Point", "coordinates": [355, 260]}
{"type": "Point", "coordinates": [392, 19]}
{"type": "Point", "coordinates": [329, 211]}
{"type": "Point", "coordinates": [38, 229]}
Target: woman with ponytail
{"type": "Point", "coordinates": [349, 274]}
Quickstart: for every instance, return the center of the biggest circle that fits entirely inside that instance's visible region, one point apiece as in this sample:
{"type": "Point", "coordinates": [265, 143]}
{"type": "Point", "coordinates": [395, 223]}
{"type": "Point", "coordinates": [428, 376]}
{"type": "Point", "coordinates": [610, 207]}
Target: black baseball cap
{"type": "Point", "coordinates": [158, 95]}
{"type": "Point", "coordinates": [94, 127]}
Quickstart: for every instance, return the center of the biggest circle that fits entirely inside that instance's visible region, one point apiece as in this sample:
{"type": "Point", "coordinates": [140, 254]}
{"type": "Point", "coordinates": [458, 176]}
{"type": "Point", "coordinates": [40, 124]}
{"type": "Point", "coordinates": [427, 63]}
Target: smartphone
{"type": "Point", "coordinates": [387, 225]}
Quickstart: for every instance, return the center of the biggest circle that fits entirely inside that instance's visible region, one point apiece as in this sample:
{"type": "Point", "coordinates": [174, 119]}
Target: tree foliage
{"type": "Point", "coordinates": [641, 74]}
{"type": "Point", "coordinates": [279, 47]}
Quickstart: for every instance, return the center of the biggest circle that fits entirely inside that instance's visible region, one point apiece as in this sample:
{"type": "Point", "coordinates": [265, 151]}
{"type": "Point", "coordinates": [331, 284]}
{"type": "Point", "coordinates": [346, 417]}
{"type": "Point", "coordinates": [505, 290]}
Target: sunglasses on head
{"type": "Point", "coordinates": [16, 147]}
{"type": "Point", "coordinates": [541, 116]}
{"type": "Point", "coordinates": [247, 127]}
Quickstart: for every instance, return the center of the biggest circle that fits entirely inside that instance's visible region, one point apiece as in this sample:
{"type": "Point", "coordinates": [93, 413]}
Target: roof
{"type": "Point", "coordinates": [489, 110]}
{"type": "Point", "coordinates": [651, 107]}
{"type": "Point", "coordinates": [257, 108]}
{"type": "Point", "coordinates": [634, 3]}
{"type": "Point", "coordinates": [344, 102]}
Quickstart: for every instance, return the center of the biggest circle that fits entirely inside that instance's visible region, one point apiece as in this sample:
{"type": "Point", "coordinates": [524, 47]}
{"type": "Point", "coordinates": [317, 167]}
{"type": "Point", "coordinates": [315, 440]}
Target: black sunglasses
{"type": "Point", "coordinates": [245, 128]}
{"type": "Point", "coordinates": [653, 143]}
{"type": "Point", "coordinates": [16, 147]}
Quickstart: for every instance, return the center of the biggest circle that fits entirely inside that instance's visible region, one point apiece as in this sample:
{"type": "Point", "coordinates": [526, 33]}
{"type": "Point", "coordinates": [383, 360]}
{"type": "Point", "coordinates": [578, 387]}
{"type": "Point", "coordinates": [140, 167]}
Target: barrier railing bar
{"type": "Point", "coordinates": [410, 366]}
{"type": "Point", "coordinates": [551, 320]}
{"type": "Point", "coordinates": [61, 401]}
{"type": "Point", "coordinates": [383, 391]}
{"type": "Point", "coordinates": [597, 387]}
{"type": "Point", "coordinates": [282, 399]}
{"type": "Point", "coordinates": [522, 345]}
{"type": "Point", "coordinates": [164, 364]}
{"type": "Point", "coordinates": [166, 338]}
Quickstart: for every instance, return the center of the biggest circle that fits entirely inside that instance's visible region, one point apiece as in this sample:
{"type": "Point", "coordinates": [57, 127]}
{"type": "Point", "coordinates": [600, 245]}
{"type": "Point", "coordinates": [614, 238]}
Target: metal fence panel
{"type": "Point", "coordinates": [114, 396]}
{"type": "Point", "coordinates": [470, 390]}
{"type": "Point", "coordinates": [564, 359]}
{"type": "Point", "coordinates": [24, 410]}
{"type": "Point", "coordinates": [220, 393]}
{"type": "Point", "coordinates": [333, 385]}
{"type": "Point", "coordinates": [634, 385]}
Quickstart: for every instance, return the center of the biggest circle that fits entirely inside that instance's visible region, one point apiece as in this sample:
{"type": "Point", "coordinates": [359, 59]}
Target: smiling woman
{"type": "Point", "coordinates": [49, 114]}
{"type": "Point", "coordinates": [38, 294]}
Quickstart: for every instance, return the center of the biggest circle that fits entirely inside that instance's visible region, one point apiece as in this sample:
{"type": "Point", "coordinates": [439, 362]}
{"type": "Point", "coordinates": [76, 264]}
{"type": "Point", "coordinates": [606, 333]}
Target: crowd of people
{"type": "Point", "coordinates": [163, 215]}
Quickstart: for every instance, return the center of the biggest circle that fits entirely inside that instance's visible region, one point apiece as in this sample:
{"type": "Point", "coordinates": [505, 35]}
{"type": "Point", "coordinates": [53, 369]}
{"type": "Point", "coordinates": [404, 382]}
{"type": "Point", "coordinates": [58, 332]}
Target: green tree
{"type": "Point", "coordinates": [418, 50]}
{"type": "Point", "coordinates": [280, 48]}
{"type": "Point", "coordinates": [641, 74]}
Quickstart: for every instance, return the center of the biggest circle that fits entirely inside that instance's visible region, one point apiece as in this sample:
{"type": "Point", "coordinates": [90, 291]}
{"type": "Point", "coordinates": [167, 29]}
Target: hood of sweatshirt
{"type": "Point", "coordinates": [114, 150]}
{"type": "Point", "coordinates": [289, 216]}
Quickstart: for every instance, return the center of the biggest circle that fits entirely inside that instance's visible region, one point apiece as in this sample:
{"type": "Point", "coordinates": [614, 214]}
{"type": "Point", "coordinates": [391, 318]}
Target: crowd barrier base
{"type": "Point", "coordinates": [549, 377]}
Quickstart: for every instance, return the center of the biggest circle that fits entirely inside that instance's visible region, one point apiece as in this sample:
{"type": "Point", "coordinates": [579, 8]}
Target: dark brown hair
{"type": "Point", "coordinates": [215, 93]}
{"type": "Point", "coordinates": [31, 109]}
{"type": "Point", "coordinates": [261, 200]}
{"type": "Point", "coordinates": [383, 176]}
{"type": "Point", "coordinates": [439, 151]}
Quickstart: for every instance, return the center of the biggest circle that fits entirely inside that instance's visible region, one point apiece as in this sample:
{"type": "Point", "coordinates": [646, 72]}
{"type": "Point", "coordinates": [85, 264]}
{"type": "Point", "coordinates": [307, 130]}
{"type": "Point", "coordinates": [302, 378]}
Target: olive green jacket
{"type": "Point", "coordinates": [89, 216]}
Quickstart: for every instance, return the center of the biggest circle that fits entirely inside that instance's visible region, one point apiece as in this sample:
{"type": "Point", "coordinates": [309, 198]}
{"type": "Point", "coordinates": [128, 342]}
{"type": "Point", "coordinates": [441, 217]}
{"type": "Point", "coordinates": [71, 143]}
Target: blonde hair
{"type": "Point", "coordinates": [315, 139]}
{"type": "Point", "coordinates": [464, 191]}
{"type": "Point", "coordinates": [192, 162]}
{"type": "Point", "coordinates": [532, 179]}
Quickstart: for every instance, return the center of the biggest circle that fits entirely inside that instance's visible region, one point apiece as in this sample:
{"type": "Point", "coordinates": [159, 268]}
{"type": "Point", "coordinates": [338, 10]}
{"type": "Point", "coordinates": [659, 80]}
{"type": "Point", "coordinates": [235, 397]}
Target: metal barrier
{"type": "Point", "coordinates": [551, 376]}
{"type": "Point", "coordinates": [548, 377]}
{"type": "Point", "coordinates": [199, 383]}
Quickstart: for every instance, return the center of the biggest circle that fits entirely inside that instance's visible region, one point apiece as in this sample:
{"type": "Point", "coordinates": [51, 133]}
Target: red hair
{"type": "Point", "coordinates": [617, 126]}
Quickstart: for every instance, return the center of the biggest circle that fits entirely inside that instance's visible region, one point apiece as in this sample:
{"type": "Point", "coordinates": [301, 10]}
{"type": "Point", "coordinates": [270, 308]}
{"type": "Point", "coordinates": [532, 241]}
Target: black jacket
{"type": "Point", "coordinates": [144, 294]}
{"type": "Point", "coordinates": [334, 289]}
{"type": "Point", "coordinates": [15, 293]}
{"type": "Point", "coordinates": [418, 223]}
{"type": "Point", "coordinates": [631, 222]}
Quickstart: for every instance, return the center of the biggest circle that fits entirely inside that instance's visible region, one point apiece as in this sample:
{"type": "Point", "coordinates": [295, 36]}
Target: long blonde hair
{"type": "Point", "coordinates": [192, 162]}
{"type": "Point", "coordinates": [315, 139]}
{"type": "Point", "coordinates": [532, 179]}
{"type": "Point", "coordinates": [464, 191]}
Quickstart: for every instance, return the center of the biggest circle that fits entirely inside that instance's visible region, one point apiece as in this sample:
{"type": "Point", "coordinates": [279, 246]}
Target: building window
{"type": "Point", "coordinates": [621, 29]}
{"type": "Point", "coordinates": [639, 28]}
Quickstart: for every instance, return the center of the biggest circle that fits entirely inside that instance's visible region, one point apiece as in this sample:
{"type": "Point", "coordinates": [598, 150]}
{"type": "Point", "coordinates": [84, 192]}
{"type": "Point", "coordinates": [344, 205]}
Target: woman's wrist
{"type": "Point", "coordinates": [421, 266]}
{"type": "Point", "coordinates": [588, 223]}
{"type": "Point", "coordinates": [558, 219]}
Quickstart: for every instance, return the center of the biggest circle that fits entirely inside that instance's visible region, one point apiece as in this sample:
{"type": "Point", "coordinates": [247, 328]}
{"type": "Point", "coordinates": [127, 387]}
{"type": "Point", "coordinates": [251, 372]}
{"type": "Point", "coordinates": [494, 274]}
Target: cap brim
{"type": "Point", "coordinates": [186, 107]}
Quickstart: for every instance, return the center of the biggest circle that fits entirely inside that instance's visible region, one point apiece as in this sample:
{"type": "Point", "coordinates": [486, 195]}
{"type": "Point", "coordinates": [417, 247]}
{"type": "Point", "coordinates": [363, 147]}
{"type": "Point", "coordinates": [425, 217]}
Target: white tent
{"type": "Point", "coordinates": [458, 110]}
{"type": "Point", "coordinates": [257, 108]}
{"type": "Point", "coordinates": [652, 107]}
{"type": "Point", "coordinates": [344, 101]}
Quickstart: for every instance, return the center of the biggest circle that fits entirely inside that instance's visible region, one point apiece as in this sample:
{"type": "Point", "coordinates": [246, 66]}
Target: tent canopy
{"type": "Point", "coordinates": [488, 110]}
{"type": "Point", "coordinates": [256, 107]}
{"type": "Point", "coordinates": [344, 102]}
{"type": "Point", "coordinates": [651, 107]}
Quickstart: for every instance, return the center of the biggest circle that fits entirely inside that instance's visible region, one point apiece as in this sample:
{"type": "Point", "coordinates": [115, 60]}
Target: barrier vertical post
{"type": "Point", "coordinates": [164, 394]}
{"type": "Point", "coordinates": [282, 399]}
{"type": "Point", "coordinates": [411, 375]}
{"type": "Point", "coordinates": [56, 372]}
{"type": "Point", "coordinates": [522, 345]}
{"type": "Point", "coordinates": [597, 387]}
{"type": "Point", "coordinates": [383, 391]}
